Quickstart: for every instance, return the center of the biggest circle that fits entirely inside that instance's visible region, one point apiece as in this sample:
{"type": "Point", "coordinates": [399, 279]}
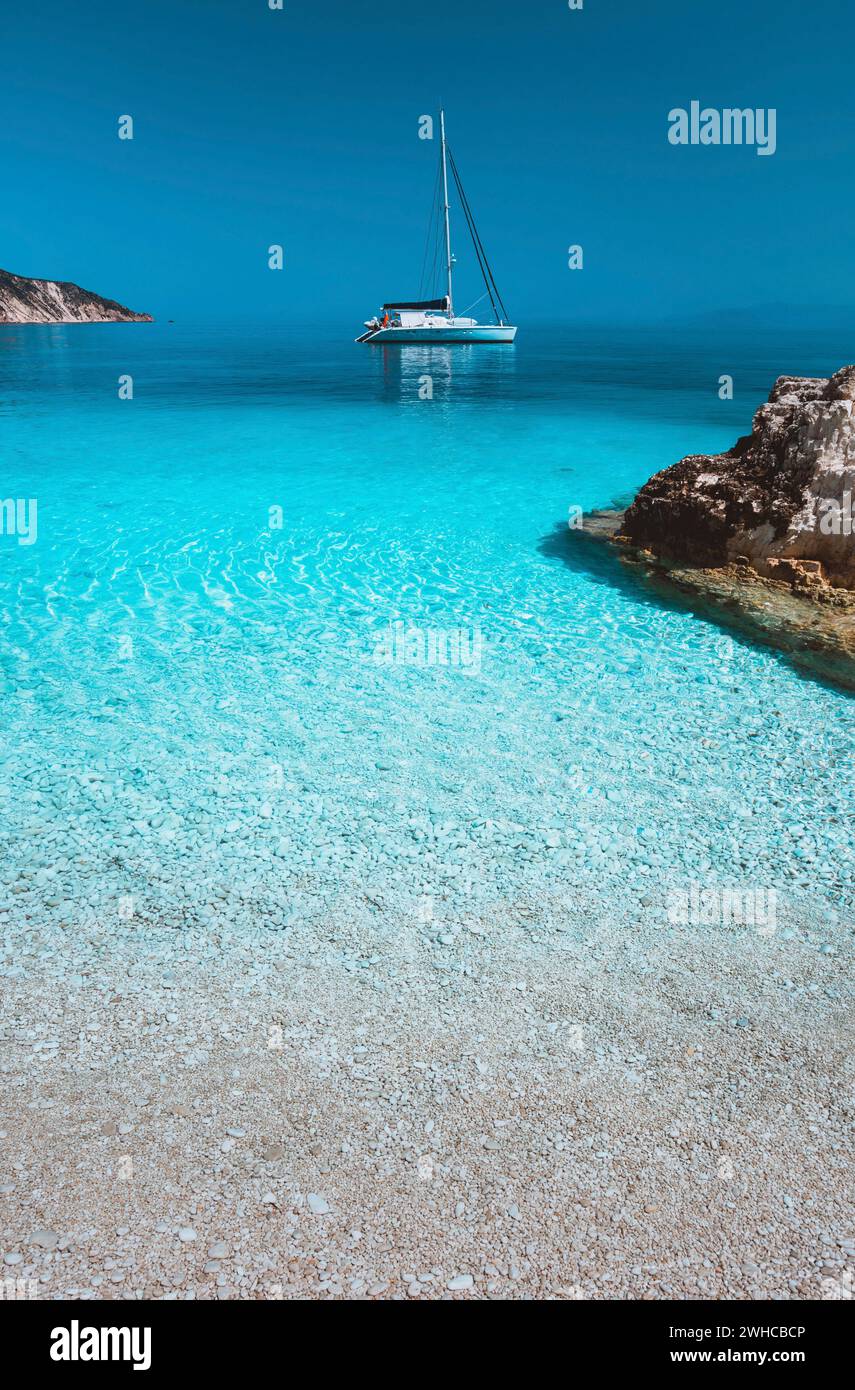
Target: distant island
{"type": "Point", "coordinates": [23, 300]}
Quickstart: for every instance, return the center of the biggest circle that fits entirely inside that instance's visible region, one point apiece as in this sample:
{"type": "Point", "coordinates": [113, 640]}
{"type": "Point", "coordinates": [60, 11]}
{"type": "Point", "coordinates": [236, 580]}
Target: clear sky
{"type": "Point", "coordinates": [300, 127]}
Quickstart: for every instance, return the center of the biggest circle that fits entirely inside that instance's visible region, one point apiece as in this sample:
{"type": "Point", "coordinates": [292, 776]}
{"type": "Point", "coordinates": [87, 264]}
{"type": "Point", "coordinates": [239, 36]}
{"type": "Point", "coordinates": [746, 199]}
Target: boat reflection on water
{"type": "Point", "coordinates": [422, 372]}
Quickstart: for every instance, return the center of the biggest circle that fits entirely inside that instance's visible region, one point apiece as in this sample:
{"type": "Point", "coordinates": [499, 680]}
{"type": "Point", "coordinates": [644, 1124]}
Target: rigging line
{"type": "Point", "coordinates": [484, 253]}
{"type": "Point", "coordinates": [489, 278]}
{"type": "Point", "coordinates": [437, 231]}
{"type": "Point", "coordinates": [475, 240]}
{"type": "Point", "coordinates": [433, 208]}
{"type": "Point", "coordinates": [437, 244]}
{"type": "Point", "coordinates": [470, 222]}
{"type": "Point", "coordinates": [476, 237]}
{"type": "Point", "coordinates": [428, 239]}
{"type": "Point", "coordinates": [432, 283]}
{"type": "Point", "coordinates": [475, 304]}
{"type": "Point", "coordinates": [481, 266]}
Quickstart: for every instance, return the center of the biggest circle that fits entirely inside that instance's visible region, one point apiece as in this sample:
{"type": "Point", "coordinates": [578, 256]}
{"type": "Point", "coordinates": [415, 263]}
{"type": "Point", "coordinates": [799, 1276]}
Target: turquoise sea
{"type": "Point", "coordinates": [302, 621]}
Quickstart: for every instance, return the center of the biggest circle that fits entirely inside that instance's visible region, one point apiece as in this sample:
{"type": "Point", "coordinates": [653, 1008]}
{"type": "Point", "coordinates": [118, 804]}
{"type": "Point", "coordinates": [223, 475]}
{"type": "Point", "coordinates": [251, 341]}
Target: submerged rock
{"type": "Point", "coordinates": [780, 499]}
{"type": "Point", "coordinates": [813, 626]}
{"type": "Point", "coordinates": [23, 300]}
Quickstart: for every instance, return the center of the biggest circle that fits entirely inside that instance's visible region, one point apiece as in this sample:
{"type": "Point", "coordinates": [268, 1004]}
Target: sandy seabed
{"type": "Point", "coordinates": [549, 1102]}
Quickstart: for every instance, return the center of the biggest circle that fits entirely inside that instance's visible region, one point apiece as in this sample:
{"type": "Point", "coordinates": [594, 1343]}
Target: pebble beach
{"type": "Point", "coordinates": [547, 1104]}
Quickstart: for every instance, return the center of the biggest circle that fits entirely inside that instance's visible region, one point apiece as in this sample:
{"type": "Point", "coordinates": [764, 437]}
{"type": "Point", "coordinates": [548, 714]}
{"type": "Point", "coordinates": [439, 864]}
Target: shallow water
{"type": "Point", "coordinates": [209, 719]}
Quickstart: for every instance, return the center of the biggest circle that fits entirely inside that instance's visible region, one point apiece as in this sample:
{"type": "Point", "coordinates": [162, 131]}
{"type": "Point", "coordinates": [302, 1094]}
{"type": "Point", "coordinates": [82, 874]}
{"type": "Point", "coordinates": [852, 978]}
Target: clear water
{"type": "Point", "coordinates": [201, 722]}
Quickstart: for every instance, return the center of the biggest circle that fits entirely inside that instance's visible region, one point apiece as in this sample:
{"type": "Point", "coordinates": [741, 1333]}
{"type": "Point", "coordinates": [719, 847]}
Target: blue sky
{"type": "Point", "coordinates": [300, 127]}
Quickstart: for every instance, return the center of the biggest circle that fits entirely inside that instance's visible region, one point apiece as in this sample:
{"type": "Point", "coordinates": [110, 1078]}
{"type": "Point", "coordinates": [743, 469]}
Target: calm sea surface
{"type": "Point", "coordinates": [221, 661]}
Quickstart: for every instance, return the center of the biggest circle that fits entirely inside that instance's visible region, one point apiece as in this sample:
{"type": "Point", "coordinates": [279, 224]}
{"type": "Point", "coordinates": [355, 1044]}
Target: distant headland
{"type": "Point", "coordinates": [23, 300]}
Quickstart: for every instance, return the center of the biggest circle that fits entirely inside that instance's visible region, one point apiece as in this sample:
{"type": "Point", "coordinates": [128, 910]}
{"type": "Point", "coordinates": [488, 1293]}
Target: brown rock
{"type": "Point", "coordinates": [783, 492]}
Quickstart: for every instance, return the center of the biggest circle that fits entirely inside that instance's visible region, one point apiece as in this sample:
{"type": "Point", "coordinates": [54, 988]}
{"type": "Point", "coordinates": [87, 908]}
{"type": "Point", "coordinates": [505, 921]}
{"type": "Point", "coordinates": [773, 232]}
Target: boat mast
{"type": "Point", "coordinates": [448, 259]}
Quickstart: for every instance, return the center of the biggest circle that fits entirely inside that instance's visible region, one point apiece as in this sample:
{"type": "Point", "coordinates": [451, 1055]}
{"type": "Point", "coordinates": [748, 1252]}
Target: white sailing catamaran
{"type": "Point", "coordinates": [434, 320]}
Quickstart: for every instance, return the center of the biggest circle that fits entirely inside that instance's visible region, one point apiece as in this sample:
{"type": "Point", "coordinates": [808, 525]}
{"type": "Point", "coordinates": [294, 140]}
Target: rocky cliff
{"type": "Point", "coordinates": [58, 301]}
{"type": "Point", "coordinates": [782, 497]}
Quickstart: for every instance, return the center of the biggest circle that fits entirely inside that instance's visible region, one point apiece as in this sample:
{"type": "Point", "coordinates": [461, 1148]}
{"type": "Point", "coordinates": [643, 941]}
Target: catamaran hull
{"type": "Point", "coordinates": [480, 333]}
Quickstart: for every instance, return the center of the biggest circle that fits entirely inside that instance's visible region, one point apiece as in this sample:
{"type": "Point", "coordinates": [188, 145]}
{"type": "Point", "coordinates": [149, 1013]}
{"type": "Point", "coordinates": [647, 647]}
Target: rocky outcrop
{"type": "Point", "coordinates": [781, 499]}
{"type": "Point", "coordinates": [58, 301]}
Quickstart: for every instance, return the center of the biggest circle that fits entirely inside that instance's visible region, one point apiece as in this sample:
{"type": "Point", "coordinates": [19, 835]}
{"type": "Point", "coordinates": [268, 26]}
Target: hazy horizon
{"type": "Point", "coordinates": [258, 127]}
